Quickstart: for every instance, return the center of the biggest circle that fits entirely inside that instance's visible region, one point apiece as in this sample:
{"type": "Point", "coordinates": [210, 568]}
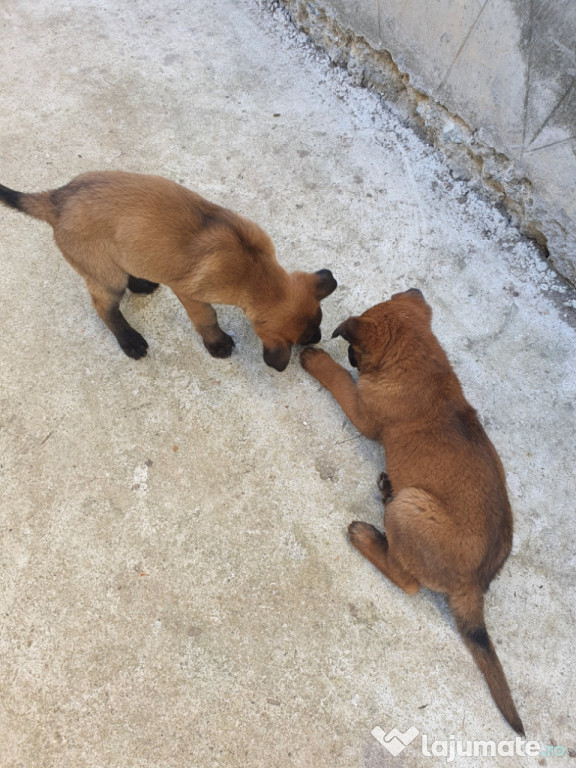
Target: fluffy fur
{"type": "Point", "coordinates": [447, 515]}
{"type": "Point", "coordinates": [125, 230]}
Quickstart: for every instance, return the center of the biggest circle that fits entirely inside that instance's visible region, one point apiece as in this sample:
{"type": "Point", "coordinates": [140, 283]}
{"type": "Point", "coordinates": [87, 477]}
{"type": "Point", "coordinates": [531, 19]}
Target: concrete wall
{"type": "Point", "coordinates": [491, 82]}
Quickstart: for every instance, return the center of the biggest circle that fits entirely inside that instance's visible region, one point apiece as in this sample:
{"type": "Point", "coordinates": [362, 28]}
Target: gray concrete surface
{"type": "Point", "coordinates": [176, 587]}
{"type": "Point", "coordinates": [491, 83]}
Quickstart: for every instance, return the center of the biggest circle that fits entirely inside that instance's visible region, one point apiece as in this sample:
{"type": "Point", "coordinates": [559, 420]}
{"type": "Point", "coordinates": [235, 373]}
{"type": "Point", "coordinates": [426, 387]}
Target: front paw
{"type": "Point", "coordinates": [312, 360]}
{"type": "Point", "coordinates": [221, 348]}
{"type": "Point", "coordinates": [133, 344]}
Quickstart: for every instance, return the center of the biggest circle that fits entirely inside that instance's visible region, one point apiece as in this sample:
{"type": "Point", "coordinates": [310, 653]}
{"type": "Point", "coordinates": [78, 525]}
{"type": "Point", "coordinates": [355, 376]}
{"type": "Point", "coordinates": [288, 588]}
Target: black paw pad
{"type": "Point", "coordinates": [134, 345]}
{"type": "Point", "coordinates": [221, 348]}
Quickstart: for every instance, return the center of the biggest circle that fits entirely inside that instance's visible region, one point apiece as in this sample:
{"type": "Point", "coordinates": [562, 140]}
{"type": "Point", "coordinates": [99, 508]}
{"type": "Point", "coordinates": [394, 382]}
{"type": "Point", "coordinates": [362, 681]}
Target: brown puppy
{"type": "Point", "coordinates": [125, 230]}
{"type": "Point", "coordinates": [448, 519]}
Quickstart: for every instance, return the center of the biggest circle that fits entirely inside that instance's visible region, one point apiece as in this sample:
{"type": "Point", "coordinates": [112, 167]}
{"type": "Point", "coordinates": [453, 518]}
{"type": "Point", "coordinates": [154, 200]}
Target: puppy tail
{"type": "Point", "coordinates": [468, 611]}
{"type": "Point", "coordinates": [39, 206]}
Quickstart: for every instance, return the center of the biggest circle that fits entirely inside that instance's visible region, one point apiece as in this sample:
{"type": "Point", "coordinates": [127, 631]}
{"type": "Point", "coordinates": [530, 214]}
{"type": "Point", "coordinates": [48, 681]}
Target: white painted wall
{"type": "Point", "coordinates": [507, 68]}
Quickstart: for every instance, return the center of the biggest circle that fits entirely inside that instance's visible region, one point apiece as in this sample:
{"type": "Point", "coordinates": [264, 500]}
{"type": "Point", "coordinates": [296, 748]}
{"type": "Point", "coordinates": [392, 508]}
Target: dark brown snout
{"type": "Point", "coordinates": [352, 357]}
{"type": "Point", "coordinates": [313, 339]}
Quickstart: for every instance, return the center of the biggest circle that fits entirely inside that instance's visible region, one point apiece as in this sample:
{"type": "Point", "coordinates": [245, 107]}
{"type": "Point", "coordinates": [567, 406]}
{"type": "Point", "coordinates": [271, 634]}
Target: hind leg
{"type": "Point", "coordinates": [106, 301]}
{"type": "Point", "coordinates": [422, 545]}
{"type": "Point", "coordinates": [375, 547]}
{"type": "Point", "coordinates": [367, 538]}
{"type": "Point", "coordinates": [204, 319]}
{"type": "Point", "coordinates": [106, 282]}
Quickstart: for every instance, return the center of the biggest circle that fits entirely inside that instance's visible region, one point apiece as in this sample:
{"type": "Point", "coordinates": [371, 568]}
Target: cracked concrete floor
{"type": "Point", "coordinates": [176, 587]}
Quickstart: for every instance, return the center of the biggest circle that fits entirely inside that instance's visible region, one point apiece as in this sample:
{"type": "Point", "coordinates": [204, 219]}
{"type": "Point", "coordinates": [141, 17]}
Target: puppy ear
{"type": "Point", "coordinates": [420, 302]}
{"type": "Point", "coordinates": [416, 292]}
{"type": "Point", "coordinates": [351, 329]}
{"type": "Point", "coordinates": [361, 332]}
{"type": "Point", "coordinates": [325, 284]}
{"type": "Point", "coordinates": [277, 357]}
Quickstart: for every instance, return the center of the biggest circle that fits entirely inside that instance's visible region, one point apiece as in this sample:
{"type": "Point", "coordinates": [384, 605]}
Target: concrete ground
{"type": "Point", "coordinates": [176, 586]}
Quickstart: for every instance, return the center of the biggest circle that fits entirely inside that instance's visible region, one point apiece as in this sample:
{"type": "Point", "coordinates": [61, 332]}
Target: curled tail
{"type": "Point", "coordinates": [468, 612]}
{"type": "Point", "coordinates": [40, 205]}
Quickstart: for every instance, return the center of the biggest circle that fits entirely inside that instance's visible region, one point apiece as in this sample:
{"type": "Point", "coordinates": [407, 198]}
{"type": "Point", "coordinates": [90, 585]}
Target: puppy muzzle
{"type": "Point", "coordinates": [314, 339]}
{"type": "Point", "coordinates": [352, 357]}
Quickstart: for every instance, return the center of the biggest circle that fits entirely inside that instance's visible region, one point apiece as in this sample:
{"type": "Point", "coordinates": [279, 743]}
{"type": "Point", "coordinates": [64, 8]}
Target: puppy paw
{"type": "Point", "coordinates": [133, 344]}
{"type": "Point", "coordinates": [363, 536]}
{"type": "Point", "coordinates": [311, 358]}
{"type": "Point", "coordinates": [385, 487]}
{"type": "Point", "coordinates": [221, 348]}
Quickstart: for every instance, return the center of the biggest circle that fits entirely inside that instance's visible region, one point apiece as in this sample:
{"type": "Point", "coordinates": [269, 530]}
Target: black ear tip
{"type": "Point", "coordinates": [326, 282]}
{"type": "Point", "coordinates": [415, 292]}
{"type": "Point", "coordinates": [342, 330]}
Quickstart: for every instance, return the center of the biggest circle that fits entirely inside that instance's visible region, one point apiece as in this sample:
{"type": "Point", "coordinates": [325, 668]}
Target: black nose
{"type": "Point", "coordinates": [315, 338]}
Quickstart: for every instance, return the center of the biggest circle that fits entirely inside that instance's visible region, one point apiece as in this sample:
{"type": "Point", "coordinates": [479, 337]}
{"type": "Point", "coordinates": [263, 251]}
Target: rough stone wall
{"type": "Point", "coordinates": [491, 83]}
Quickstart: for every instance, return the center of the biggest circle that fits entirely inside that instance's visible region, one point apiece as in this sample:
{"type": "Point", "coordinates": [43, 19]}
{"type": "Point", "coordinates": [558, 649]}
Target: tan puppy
{"type": "Point", "coordinates": [448, 519]}
{"type": "Point", "coordinates": [125, 230]}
